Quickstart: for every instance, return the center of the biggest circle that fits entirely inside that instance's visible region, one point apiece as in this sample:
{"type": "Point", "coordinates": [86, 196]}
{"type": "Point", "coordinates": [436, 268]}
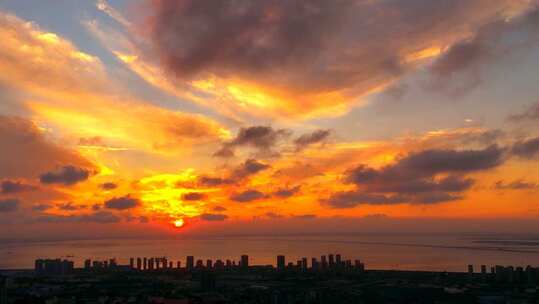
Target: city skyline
{"type": "Point", "coordinates": [164, 119]}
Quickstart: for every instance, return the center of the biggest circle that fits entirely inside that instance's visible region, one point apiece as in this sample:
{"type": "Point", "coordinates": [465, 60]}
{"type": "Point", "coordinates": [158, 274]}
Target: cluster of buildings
{"type": "Point", "coordinates": [329, 262]}
{"type": "Point", "coordinates": [326, 262]}
{"type": "Point", "coordinates": [507, 274]}
{"type": "Point", "coordinates": [53, 266]}
{"type": "Point", "coordinates": [329, 279]}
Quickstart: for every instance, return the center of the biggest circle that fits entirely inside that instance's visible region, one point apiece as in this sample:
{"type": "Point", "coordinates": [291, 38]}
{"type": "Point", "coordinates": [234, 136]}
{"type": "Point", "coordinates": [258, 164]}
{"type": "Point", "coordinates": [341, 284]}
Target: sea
{"type": "Point", "coordinates": [400, 252]}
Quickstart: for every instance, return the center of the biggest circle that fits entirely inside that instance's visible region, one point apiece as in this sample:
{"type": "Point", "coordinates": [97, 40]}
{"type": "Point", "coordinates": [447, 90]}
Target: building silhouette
{"type": "Point", "coordinates": [245, 261]}
{"type": "Point", "coordinates": [53, 266]}
{"type": "Point", "coordinates": [190, 262]}
{"type": "Point", "coordinates": [281, 263]}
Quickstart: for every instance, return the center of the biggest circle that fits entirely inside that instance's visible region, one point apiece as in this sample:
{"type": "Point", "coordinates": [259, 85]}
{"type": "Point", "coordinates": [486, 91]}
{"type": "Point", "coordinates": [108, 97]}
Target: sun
{"type": "Point", "coordinates": [179, 223]}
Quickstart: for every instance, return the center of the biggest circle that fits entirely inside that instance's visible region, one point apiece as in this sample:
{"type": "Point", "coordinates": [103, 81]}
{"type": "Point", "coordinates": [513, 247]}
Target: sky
{"type": "Point", "coordinates": [152, 118]}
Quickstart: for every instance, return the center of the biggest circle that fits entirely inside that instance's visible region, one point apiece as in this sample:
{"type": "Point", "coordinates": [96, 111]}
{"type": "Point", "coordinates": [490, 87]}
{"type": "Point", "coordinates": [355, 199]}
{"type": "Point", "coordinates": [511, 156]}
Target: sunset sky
{"type": "Point", "coordinates": [132, 118]}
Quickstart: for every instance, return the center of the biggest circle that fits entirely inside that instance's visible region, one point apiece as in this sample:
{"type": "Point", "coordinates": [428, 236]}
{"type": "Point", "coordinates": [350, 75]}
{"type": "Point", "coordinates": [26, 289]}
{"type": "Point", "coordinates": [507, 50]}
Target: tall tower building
{"type": "Point", "coordinates": [314, 264]}
{"type": "Point", "coordinates": [145, 264]}
{"type": "Point", "coordinates": [190, 262]}
{"type": "Point", "coordinates": [131, 263]}
{"type": "Point", "coordinates": [304, 264]}
{"type": "Point", "coordinates": [324, 262]}
{"type": "Point", "coordinates": [281, 262]}
{"type": "Point", "coordinates": [245, 261]}
{"type": "Point", "coordinates": [87, 264]}
{"type": "Point", "coordinates": [331, 260]}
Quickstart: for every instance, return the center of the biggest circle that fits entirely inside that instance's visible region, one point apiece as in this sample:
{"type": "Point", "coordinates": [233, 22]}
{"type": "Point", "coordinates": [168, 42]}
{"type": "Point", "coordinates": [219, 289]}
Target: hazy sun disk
{"type": "Point", "coordinates": [179, 223]}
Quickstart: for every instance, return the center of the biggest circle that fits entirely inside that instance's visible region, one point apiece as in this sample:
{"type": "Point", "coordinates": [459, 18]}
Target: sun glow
{"type": "Point", "coordinates": [179, 223]}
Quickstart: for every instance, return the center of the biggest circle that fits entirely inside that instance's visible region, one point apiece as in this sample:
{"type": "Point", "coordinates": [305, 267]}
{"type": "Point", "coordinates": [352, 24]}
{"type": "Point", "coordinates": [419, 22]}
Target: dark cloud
{"type": "Point", "coordinates": [352, 199]}
{"type": "Point", "coordinates": [247, 196]}
{"type": "Point", "coordinates": [527, 148]}
{"type": "Point", "coordinates": [436, 197]}
{"type": "Point", "coordinates": [313, 47]}
{"type": "Point", "coordinates": [262, 138]}
{"type": "Point", "coordinates": [446, 184]}
{"type": "Point", "coordinates": [305, 140]}
{"type": "Point", "coordinates": [225, 151]}
{"type": "Point", "coordinates": [122, 203]}
{"type": "Point", "coordinates": [248, 168]}
{"type": "Point", "coordinates": [487, 137]}
{"type": "Point", "coordinates": [193, 196]}
{"type": "Point", "coordinates": [69, 206]}
{"type": "Point", "coordinates": [41, 207]}
{"type": "Point", "coordinates": [492, 41]}
{"type": "Point", "coordinates": [430, 162]}
{"type": "Point", "coordinates": [213, 217]}
{"type": "Point", "coordinates": [460, 56]}
{"type": "Point", "coordinates": [425, 177]}
{"type": "Point", "coordinates": [108, 186]}
{"type": "Point", "coordinates": [26, 152]}
{"type": "Point", "coordinates": [9, 187]}
{"type": "Point", "coordinates": [67, 175]}
{"type": "Point", "coordinates": [515, 185]}
{"type": "Point", "coordinates": [286, 192]}
{"type": "Point", "coordinates": [530, 114]}
{"type": "Point", "coordinates": [9, 205]}
{"type": "Point", "coordinates": [101, 217]}
{"type": "Point", "coordinates": [209, 181]}
{"type": "Point", "coordinates": [219, 208]}
{"type": "Point", "coordinates": [305, 216]}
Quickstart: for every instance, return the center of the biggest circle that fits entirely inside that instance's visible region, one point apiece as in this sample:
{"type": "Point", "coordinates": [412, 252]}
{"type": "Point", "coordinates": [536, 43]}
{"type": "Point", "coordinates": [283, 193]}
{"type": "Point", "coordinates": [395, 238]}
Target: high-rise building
{"type": "Point", "coordinates": [281, 262]}
{"type": "Point", "coordinates": [53, 267]}
{"type": "Point", "coordinates": [245, 261]}
{"type": "Point", "coordinates": [139, 263]}
{"type": "Point", "coordinates": [87, 264]}
{"type": "Point", "coordinates": [324, 262]}
{"type": "Point", "coordinates": [145, 264]}
{"type": "Point", "coordinates": [470, 269]}
{"type": "Point", "coordinates": [510, 274]}
{"type": "Point", "coordinates": [331, 259]}
{"type": "Point", "coordinates": [314, 264]}
{"type": "Point", "coordinates": [200, 264]}
{"type": "Point", "coordinates": [338, 260]}
{"type": "Point", "coordinates": [190, 262]}
{"type": "Point", "coordinates": [500, 273]}
{"type": "Point", "coordinates": [178, 264]}
{"type": "Point", "coordinates": [483, 269]}
{"type": "Point", "coordinates": [39, 266]}
{"type": "Point", "coordinates": [132, 263]}
{"type": "Point", "coordinates": [304, 264]}
{"type": "Point", "coordinates": [209, 264]}
{"type": "Point", "coordinates": [219, 265]}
